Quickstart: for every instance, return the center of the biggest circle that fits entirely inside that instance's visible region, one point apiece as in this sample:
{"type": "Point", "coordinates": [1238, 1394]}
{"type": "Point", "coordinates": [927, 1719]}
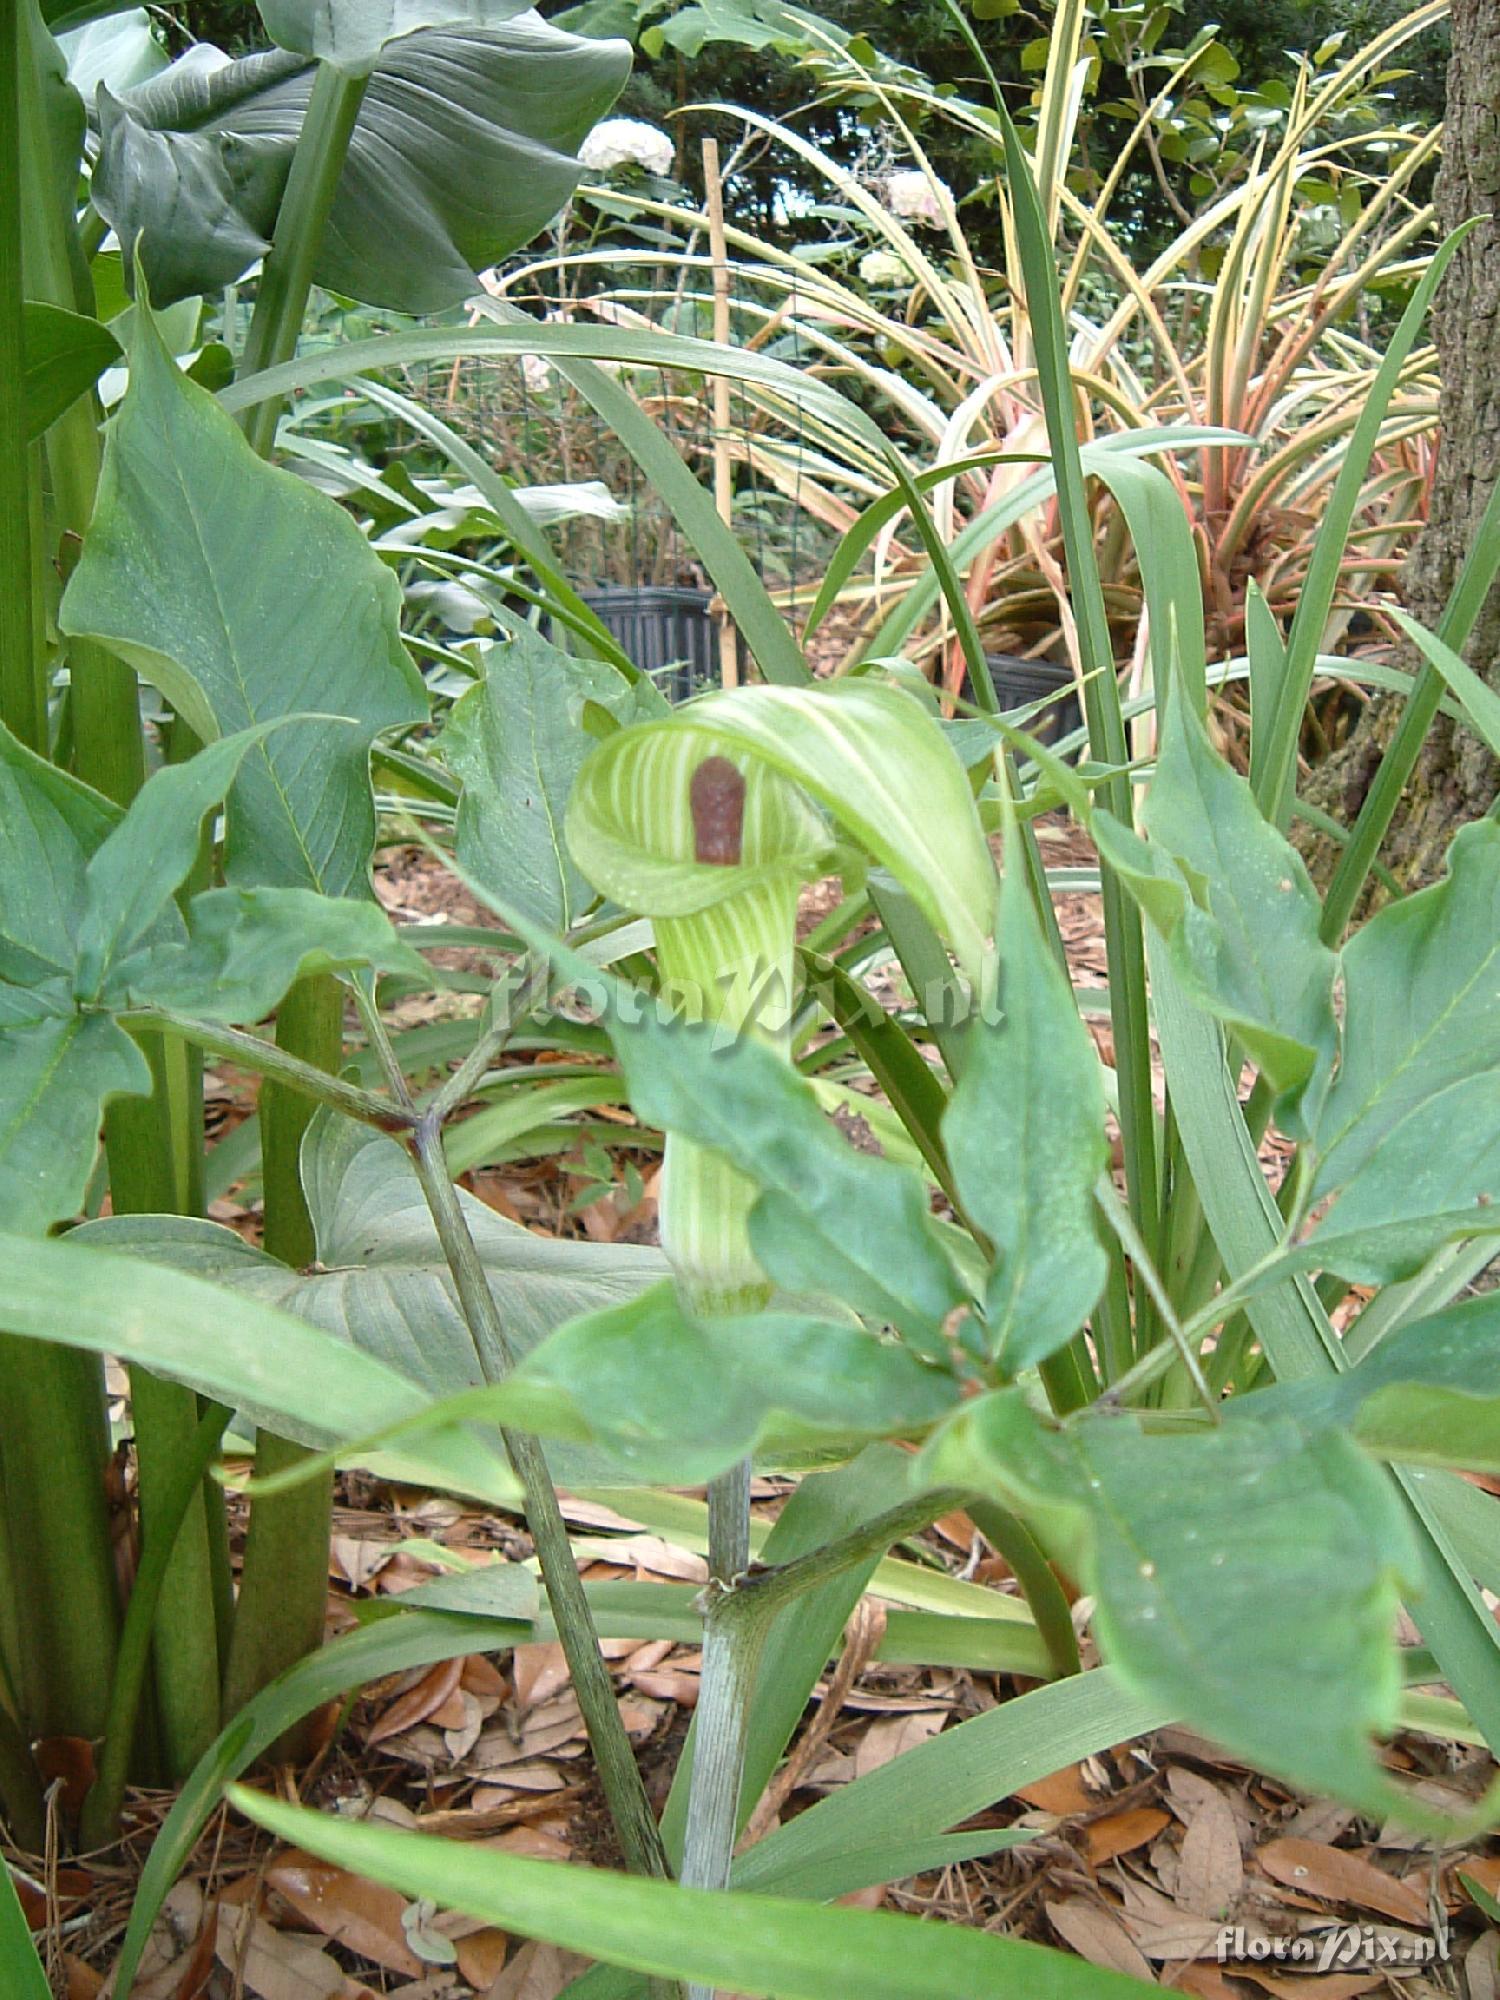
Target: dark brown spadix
{"type": "Point", "coordinates": [717, 798]}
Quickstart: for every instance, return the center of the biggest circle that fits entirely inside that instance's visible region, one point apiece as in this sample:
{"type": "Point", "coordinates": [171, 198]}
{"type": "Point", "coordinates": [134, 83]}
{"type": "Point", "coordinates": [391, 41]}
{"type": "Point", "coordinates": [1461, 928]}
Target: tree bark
{"type": "Point", "coordinates": [1456, 777]}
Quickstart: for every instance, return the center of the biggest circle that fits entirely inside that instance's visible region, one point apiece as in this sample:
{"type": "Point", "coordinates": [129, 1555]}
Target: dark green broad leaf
{"type": "Point", "coordinates": [350, 34]}
{"type": "Point", "coordinates": [1236, 908]}
{"type": "Point", "coordinates": [464, 147]}
{"type": "Point", "coordinates": [246, 947]}
{"type": "Point", "coordinates": [135, 872]}
{"type": "Point", "coordinates": [64, 353]}
{"type": "Point", "coordinates": [56, 1075]}
{"type": "Point", "coordinates": [247, 597]}
{"type": "Point", "coordinates": [1025, 1135]}
{"type": "Point", "coordinates": [517, 740]}
{"type": "Point", "coordinates": [1248, 1574]}
{"type": "Point", "coordinates": [1428, 1394]}
{"type": "Point", "coordinates": [382, 1284]}
{"type": "Point", "coordinates": [683, 1401]}
{"type": "Point", "coordinates": [1411, 1126]}
{"type": "Point", "coordinates": [120, 51]}
{"type": "Point", "coordinates": [830, 1221]}
{"type": "Point", "coordinates": [50, 825]}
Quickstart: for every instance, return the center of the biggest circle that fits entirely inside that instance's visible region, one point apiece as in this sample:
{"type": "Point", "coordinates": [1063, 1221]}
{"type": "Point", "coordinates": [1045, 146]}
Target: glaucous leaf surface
{"type": "Point", "coordinates": [682, 1400]}
{"type": "Point", "coordinates": [1246, 1574]}
{"type": "Point", "coordinates": [1025, 1134]}
{"type": "Point", "coordinates": [1235, 906]}
{"type": "Point", "coordinates": [56, 1075]}
{"type": "Point", "coordinates": [350, 34]}
{"type": "Point", "coordinates": [464, 147]}
{"type": "Point", "coordinates": [1410, 1125]}
{"type": "Point", "coordinates": [50, 826]}
{"type": "Point", "coordinates": [382, 1285]}
{"type": "Point", "coordinates": [247, 597]}
{"type": "Point", "coordinates": [830, 1222]}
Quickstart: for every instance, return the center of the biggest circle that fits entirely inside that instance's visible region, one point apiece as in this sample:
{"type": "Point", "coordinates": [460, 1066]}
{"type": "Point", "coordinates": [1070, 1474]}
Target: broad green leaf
{"type": "Point", "coordinates": [748, 1944]}
{"type": "Point", "coordinates": [1408, 1128]}
{"type": "Point", "coordinates": [65, 354]}
{"type": "Point", "coordinates": [350, 34]}
{"type": "Point", "coordinates": [1247, 1574]}
{"type": "Point", "coordinates": [50, 825]}
{"type": "Point", "coordinates": [1234, 904]}
{"type": "Point", "coordinates": [246, 947]}
{"type": "Point", "coordinates": [464, 147]}
{"type": "Point", "coordinates": [55, 1078]}
{"type": "Point", "coordinates": [683, 1401]}
{"type": "Point", "coordinates": [875, 760]}
{"type": "Point", "coordinates": [381, 1284]}
{"type": "Point", "coordinates": [1025, 1134]}
{"type": "Point", "coordinates": [246, 596]}
{"type": "Point", "coordinates": [119, 51]}
{"type": "Point", "coordinates": [831, 1222]}
{"type": "Point", "coordinates": [1428, 1394]}
{"type": "Point", "coordinates": [138, 868]}
{"type": "Point", "coordinates": [284, 1373]}
{"type": "Point", "coordinates": [517, 742]}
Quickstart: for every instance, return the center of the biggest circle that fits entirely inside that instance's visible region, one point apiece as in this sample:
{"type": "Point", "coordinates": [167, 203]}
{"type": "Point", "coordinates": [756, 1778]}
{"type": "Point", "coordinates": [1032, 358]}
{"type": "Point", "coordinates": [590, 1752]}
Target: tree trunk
{"type": "Point", "coordinates": [1456, 777]}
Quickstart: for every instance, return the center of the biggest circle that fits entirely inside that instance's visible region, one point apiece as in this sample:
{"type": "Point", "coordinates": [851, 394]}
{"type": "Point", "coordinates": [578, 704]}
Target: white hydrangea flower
{"type": "Point", "coordinates": [627, 142]}
{"type": "Point", "coordinates": [882, 269]}
{"type": "Point", "coordinates": [536, 372]}
{"type": "Point", "coordinates": [915, 198]}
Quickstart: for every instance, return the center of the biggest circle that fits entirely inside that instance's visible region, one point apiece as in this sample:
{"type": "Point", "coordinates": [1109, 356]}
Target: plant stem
{"type": "Point", "coordinates": [287, 276]}
{"type": "Point", "coordinates": [268, 1060]}
{"type": "Point", "coordinates": [284, 1583]}
{"type": "Point", "coordinates": [731, 1653]}
{"type": "Point", "coordinates": [625, 1794]}
{"type": "Point", "coordinates": [1009, 1536]}
{"type": "Point", "coordinates": [174, 1506]}
{"type": "Point", "coordinates": [23, 700]}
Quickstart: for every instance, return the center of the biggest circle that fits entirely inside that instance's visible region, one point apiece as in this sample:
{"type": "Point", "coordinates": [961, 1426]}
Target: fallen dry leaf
{"type": "Point", "coordinates": [1122, 1832]}
{"type": "Point", "coordinates": [1097, 1935]}
{"type": "Point", "coordinates": [346, 1908]}
{"type": "Point", "coordinates": [83, 1982]}
{"type": "Point", "coordinates": [481, 1958]}
{"type": "Point", "coordinates": [1319, 1986]}
{"type": "Point", "coordinates": [1337, 1876]}
{"type": "Point", "coordinates": [884, 1740]}
{"type": "Point", "coordinates": [1062, 1793]}
{"type": "Point", "coordinates": [408, 1709]}
{"type": "Point", "coordinates": [537, 1972]}
{"type": "Point", "coordinates": [1210, 1868]}
{"type": "Point", "coordinates": [273, 1965]}
{"type": "Point", "coordinates": [538, 1672]}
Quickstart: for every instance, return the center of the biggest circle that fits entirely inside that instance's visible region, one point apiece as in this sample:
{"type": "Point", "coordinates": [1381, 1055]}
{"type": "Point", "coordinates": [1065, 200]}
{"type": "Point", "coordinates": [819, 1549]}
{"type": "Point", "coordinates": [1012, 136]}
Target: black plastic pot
{"type": "Point", "coordinates": [1018, 683]}
{"type": "Point", "coordinates": [667, 631]}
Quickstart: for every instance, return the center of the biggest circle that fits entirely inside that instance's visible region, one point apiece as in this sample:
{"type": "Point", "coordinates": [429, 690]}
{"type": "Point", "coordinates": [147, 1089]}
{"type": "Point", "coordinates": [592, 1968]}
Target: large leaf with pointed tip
{"type": "Point", "coordinates": [1234, 903]}
{"type": "Point", "coordinates": [381, 1283]}
{"type": "Point", "coordinates": [1410, 1126]}
{"type": "Point", "coordinates": [56, 1075]}
{"type": "Point", "coordinates": [830, 1221]}
{"type": "Point", "coordinates": [63, 353]}
{"type": "Point", "coordinates": [1247, 1574]}
{"type": "Point", "coordinates": [1428, 1394]}
{"type": "Point", "coordinates": [246, 596]}
{"type": "Point", "coordinates": [464, 147]}
{"type": "Point", "coordinates": [517, 742]}
{"type": "Point", "coordinates": [226, 1343]}
{"type": "Point", "coordinates": [50, 826]}
{"type": "Point", "coordinates": [1024, 1131]}
{"type": "Point", "coordinates": [684, 1400]}
{"type": "Point", "coordinates": [350, 34]}
{"type": "Point", "coordinates": [246, 947]}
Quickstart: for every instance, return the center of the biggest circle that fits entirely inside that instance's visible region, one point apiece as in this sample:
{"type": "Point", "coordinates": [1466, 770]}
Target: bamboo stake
{"type": "Point", "coordinates": [713, 186]}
